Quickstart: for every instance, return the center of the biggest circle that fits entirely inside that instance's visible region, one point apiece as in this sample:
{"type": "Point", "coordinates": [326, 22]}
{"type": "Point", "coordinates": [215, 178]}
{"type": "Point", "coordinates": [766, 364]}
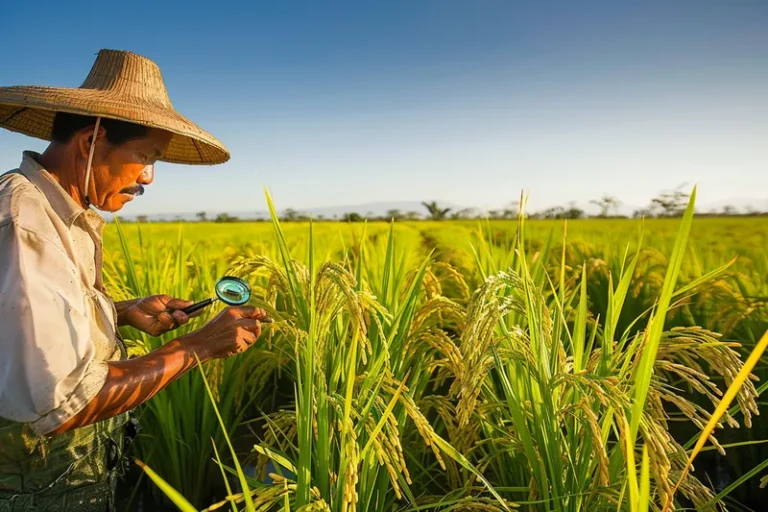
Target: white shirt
{"type": "Point", "coordinates": [57, 323]}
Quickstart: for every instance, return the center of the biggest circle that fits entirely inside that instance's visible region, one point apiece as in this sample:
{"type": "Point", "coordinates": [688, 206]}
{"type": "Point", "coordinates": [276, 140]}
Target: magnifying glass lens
{"type": "Point", "coordinates": [230, 290]}
{"type": "Point", "coordinates": [233, 291]}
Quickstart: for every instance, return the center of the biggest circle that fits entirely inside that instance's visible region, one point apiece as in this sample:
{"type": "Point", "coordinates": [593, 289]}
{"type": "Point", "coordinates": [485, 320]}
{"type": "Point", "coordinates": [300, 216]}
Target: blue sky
{"type": "Point", "coordinates": [337, 103]}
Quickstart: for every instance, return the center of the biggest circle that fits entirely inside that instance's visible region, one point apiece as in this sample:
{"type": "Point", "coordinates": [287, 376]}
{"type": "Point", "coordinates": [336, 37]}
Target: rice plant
{"type": "Point", "coordinates": [484, 373]}
{"type": "Point", "coordinates": [179, 423]}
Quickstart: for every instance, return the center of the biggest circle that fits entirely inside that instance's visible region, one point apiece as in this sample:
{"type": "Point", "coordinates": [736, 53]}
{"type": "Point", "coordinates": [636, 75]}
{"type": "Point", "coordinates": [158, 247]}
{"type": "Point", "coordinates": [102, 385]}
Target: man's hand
{"type": "Point", "coordinates": [230, 332]}
{"type": "Point", "coordinates": [155, 315]}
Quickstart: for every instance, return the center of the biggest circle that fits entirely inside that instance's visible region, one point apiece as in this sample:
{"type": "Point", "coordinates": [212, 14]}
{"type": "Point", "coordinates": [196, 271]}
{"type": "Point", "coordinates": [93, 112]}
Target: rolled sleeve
{"type": "Point", "coordinates": [48, 370]}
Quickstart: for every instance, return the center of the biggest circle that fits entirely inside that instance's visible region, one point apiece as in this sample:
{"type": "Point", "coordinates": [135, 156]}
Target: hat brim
{"type": "Point", "coordinates": [30, 110]}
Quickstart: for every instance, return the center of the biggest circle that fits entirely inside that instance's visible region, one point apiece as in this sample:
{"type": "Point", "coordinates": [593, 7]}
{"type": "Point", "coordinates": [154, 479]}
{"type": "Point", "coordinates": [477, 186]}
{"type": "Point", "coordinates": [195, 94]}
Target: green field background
{"type": "Point", "coordinates": [733, 304]}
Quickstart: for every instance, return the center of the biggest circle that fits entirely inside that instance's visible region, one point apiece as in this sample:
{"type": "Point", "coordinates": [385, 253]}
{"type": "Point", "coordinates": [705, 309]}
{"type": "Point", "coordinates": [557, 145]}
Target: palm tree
{"type": "Point", "coordinates": [202, 216]}
{"type": "Point", "coordinates": [435, 211]}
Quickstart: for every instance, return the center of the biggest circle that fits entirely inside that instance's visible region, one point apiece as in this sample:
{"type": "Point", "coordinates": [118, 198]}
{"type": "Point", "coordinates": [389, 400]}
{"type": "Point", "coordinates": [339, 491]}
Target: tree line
{"type": "Point", "coordinates": [665, 204]}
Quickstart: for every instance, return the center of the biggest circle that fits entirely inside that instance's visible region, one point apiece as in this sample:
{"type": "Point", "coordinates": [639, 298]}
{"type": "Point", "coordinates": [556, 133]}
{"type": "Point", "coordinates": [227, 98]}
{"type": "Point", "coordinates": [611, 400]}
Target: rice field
{"type": "Point", "coordinates": [459, 365]}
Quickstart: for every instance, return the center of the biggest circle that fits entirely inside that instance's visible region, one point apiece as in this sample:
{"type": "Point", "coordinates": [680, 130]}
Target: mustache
{"type": "Point", "coordinates": [134, 190]}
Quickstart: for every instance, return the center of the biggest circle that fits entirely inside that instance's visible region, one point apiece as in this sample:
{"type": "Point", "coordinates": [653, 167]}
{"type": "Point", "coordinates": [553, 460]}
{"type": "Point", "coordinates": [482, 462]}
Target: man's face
{"type": "Point", "coordinates": [119, 173]}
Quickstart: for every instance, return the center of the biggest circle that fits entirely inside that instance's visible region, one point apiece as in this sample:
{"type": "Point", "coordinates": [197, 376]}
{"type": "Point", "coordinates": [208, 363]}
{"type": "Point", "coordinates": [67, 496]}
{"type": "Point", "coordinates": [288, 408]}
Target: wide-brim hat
{"type": "Point", "coordinates": [121, 85]}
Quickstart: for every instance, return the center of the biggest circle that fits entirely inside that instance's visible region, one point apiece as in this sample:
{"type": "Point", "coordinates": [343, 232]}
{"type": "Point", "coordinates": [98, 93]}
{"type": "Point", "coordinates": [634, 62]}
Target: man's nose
{"type": "Point", "coordinates": [147, 175]}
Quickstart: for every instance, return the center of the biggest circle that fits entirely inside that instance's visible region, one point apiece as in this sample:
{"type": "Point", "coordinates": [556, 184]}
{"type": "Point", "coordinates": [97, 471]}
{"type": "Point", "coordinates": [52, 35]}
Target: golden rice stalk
{"type": "Point", "coordinates": [352, 457]}
{"type": "Point", "coordinates": [437, 312]}
{"type": "Point", "coordinates": [721, 409]}
{"type": "Point", "coordinates": [316, 506]}
{"type": "Point", "coordinates": [422, 425]}
{"type": "Point", "coordinates": [693, 347]}
{"type": "Point", "coordinates": [598, 448]}
{"type": "Point", "coordinates": [431, 285]}
{"type": "Point", "coordinates": [446, 272]}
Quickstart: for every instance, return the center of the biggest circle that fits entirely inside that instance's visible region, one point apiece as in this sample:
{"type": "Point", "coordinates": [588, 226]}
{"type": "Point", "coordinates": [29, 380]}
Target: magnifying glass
{"type": "Point", "coordinates": [229, 290]}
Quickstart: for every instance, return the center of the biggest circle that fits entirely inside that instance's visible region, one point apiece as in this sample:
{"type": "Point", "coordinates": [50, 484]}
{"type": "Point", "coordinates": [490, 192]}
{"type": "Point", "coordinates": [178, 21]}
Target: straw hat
{"type": "Point", "coordinates": [123, 86]}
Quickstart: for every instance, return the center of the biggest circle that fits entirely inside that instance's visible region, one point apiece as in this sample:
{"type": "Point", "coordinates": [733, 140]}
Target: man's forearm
{"type": "Point", "coordinates": [132, 382]}
{"type": "Point", "coordinates": [121, 307]}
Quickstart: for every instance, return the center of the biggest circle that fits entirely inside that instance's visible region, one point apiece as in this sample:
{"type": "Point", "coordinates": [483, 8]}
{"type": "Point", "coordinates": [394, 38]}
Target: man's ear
{"type": "Point", "coordinates": [83, 139]}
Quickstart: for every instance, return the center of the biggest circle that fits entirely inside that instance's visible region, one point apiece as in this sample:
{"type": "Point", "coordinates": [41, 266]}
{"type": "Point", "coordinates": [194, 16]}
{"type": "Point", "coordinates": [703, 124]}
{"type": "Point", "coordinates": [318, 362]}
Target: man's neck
{"type": "Point", "coordinates": [62, 166]}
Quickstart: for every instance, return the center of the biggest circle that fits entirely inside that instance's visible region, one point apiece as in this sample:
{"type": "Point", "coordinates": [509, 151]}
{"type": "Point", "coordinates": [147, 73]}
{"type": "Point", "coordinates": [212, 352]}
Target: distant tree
{"type": "Point", "coordinates": [670, 204]}
{"type": "Point", "coordinates": [513, 210]}
{"type": "Point", "coordinates": [352, 217]}
{"type": "Point", "coordinates": [465, 213]}
{"type": "Point", "coordinates": [290, 215]}
{"type": "Point", "coordinates": [202, 216]}
{"type": "Point", "coordinates": [395, 215]}
{"type": "Point", "coordinates": [411, 215]}
{"type": "Point", "coordinates": [495, 214]}
{"type": "Point", "coordinates": [642, 212]}
{"type": "Point", "coordinates": [556, 212]}
{"type": "Point", "coordinates": [435, 212]}
{"type": "Point", "coordinates": [141, 218]}
{"type": "Point", "coordinates": [509, 213]}
{"type": "Point", "coordinates": [573, 212]}
{"type": "Point", "coordinates": [606, 204]}
{"type": "Point", "coordinates": [730, 210]}
{"type": "Point", "coordinates": [225, 217]}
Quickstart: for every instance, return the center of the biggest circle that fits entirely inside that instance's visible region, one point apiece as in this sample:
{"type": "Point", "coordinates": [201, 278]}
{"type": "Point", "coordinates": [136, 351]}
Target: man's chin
{"type": "Point", "coordinates": [115, 203]}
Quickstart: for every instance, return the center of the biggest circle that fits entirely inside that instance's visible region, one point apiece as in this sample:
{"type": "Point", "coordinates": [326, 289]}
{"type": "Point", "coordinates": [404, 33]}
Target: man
{"type": "Point", "coordinates": [66, 385]}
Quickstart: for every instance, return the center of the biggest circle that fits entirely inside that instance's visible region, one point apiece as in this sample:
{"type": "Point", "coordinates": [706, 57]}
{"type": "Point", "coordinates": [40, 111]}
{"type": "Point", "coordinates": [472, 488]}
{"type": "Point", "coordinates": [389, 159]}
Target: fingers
{"type": "Point", "coordinates": [241, 311]}
{"type": "Point", "coordinates": [249, 337]}
{"type": "Point", "coordinates": [262, 315]}
{"type": "Point", "coordinates": [166, 321]}
{"type": "Point", "coordinates": [178, 303]}
{"type": "Point", "coordinates": [251, 312]}
{"type": "Point", "coordinates": [180, 317]}
{"type": "Point", "coordinates": [252, 325]}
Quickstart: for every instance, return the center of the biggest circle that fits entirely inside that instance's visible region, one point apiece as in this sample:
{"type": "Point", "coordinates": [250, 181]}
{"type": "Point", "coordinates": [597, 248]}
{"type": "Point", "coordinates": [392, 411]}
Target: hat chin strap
{"type": "Point", "coordinates": [90, 162]}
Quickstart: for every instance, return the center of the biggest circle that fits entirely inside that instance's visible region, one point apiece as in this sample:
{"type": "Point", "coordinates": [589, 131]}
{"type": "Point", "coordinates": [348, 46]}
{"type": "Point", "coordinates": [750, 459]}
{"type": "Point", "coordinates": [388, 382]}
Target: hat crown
{"type": "Point", "coordinates": [121, 85]}
{"type": "Point", "coordinates": [128, 74]}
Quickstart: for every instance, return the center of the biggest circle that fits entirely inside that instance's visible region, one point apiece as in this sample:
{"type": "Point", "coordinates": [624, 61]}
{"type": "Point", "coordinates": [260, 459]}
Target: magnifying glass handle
{"type": "Point", "coordinates": [198, 305]}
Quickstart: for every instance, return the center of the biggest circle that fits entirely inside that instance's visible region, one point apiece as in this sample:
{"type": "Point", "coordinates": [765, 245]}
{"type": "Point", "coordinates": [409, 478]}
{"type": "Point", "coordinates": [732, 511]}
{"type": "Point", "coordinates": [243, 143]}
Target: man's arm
{"type": "Point", "coordinates": [132, 382]}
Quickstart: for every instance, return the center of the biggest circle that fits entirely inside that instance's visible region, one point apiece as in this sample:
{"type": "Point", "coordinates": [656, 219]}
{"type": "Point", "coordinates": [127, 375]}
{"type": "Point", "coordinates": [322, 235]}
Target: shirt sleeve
{"type": "Point", "coordinates": [48, 373]}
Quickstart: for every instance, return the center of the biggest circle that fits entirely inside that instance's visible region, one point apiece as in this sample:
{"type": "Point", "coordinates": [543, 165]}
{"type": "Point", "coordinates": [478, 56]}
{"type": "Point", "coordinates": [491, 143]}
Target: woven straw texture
{"type": "Point", "coordinates": [121, 85]}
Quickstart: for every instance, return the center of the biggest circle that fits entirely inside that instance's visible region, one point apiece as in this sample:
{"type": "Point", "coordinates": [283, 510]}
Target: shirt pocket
{"type": "Point", "coordinates": [103, 329]}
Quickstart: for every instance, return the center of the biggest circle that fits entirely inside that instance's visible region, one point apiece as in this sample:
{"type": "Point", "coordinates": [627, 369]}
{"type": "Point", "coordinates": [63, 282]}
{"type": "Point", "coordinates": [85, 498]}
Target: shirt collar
{"type": "Point", "coordinates": [61, 202]}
